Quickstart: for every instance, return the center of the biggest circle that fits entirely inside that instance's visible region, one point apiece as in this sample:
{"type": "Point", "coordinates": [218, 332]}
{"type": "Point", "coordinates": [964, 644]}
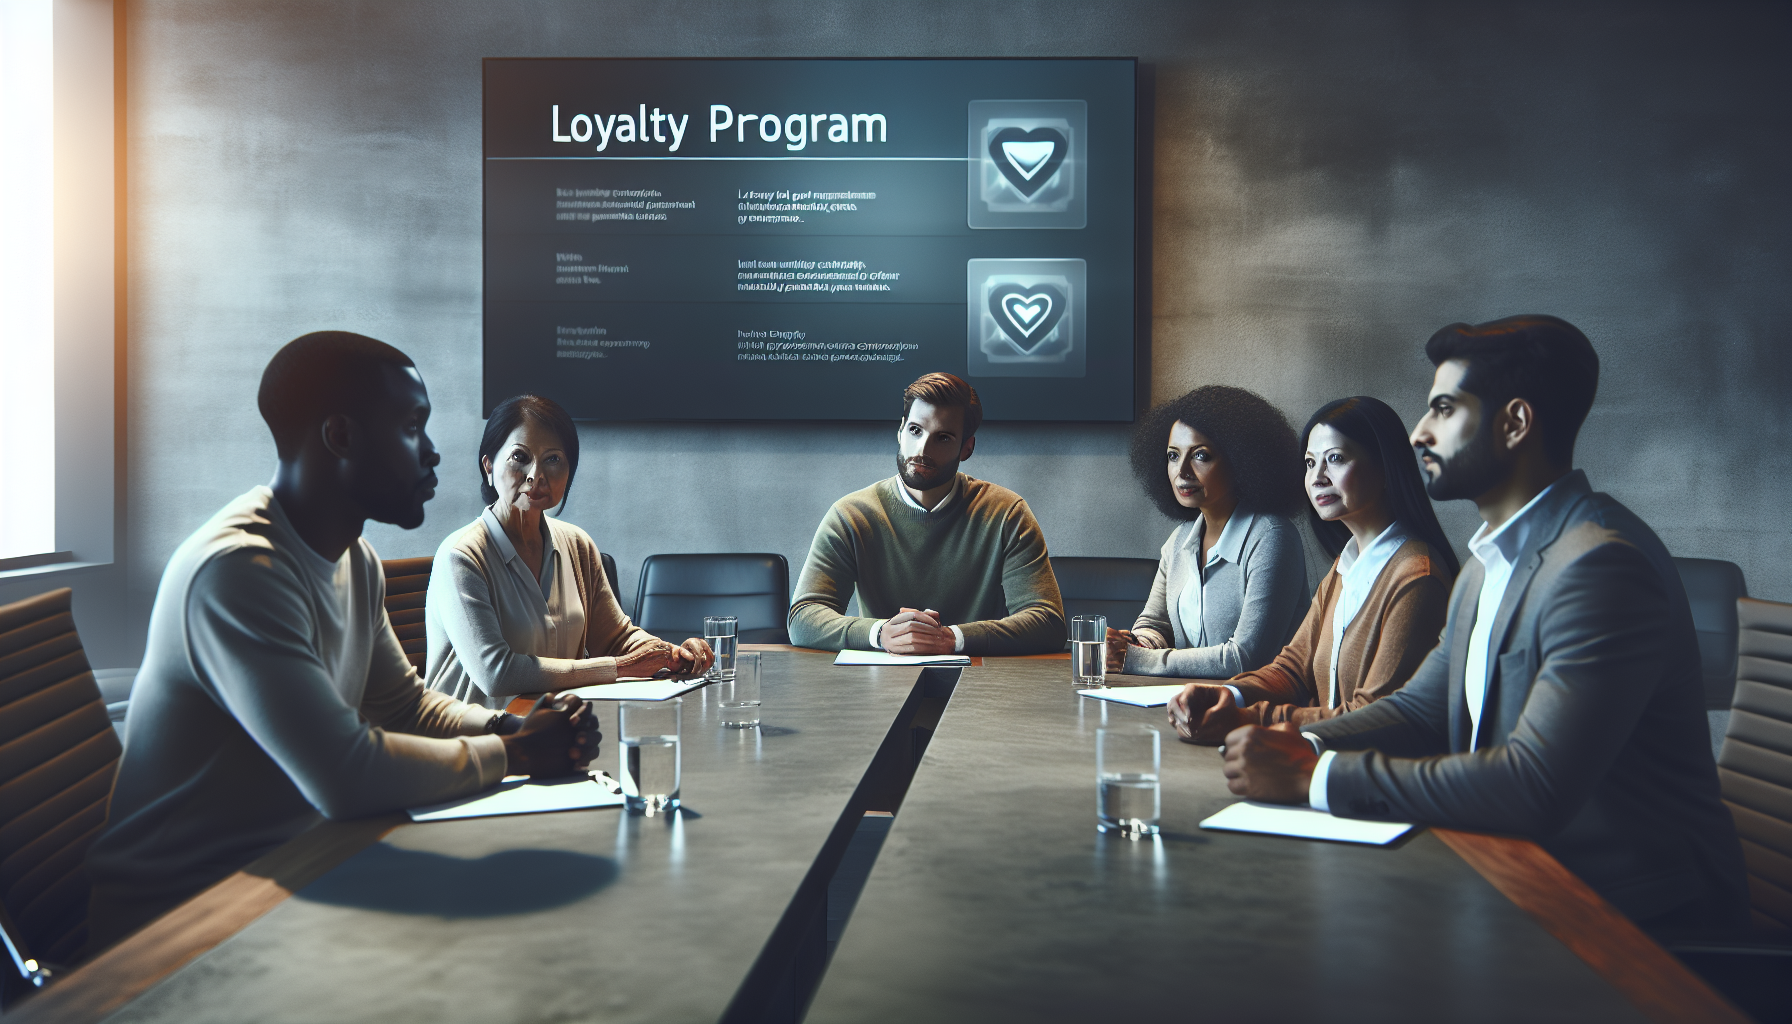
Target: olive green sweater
{"type": "Point", "coordinates": [980, 562]}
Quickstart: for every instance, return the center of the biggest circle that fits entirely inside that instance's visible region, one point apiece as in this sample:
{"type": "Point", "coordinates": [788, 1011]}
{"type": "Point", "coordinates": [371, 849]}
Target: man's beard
{"type": "Point", "coordinates": [916, 481]}
{"type": "Point", "coordinates": [385, 501]}
{"type": "Point", "coordinates": [1471, 472]}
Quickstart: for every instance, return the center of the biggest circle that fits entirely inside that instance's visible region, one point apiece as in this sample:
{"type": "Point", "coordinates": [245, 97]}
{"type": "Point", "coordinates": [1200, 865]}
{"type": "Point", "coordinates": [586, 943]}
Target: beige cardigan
{"type": "Point", "coordinates": [491, 639]}
{"type": "Point", "coordinates": [1397, 626]}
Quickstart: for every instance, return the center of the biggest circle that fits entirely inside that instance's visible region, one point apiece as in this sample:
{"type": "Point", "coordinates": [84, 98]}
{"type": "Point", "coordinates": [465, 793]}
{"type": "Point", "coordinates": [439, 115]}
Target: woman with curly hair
{"type": "Point", "coordinates": [1377, 613]}
{"type": "Point", "coordinates": [1231, 581]}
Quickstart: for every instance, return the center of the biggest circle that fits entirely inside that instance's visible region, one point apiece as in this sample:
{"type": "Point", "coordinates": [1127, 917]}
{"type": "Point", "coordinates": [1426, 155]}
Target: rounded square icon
{"type": "Point", "coordinates": [1026, 318]}
{"type": "Point", "coordinates": [1024, 169]}
{"type": "Point", "coordinates": [1028, 161]}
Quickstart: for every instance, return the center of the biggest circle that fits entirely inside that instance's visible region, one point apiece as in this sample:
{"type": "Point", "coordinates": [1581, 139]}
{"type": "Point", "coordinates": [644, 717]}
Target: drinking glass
{"type": "Point", "coordinates": [1089, 651]}
{"type": "Point", "coordinates": [650, 754]}
{"type": "Point", "coordinates": [720, 631]}
{"type": "Point", "coordinates": [1127, 798]}
{"type": "Point", "coordinates": [739, 697]}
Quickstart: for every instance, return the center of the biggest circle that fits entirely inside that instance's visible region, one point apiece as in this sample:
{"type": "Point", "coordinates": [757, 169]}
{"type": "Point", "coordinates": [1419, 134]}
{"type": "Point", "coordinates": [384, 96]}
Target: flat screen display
{"type": "Point", "coordinates": [800, 239]}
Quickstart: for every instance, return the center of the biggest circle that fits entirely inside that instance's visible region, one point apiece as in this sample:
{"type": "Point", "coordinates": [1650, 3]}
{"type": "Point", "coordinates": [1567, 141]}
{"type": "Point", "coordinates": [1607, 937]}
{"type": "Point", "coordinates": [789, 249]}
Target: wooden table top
{"type": "Point", "coordinates": [993, 898]}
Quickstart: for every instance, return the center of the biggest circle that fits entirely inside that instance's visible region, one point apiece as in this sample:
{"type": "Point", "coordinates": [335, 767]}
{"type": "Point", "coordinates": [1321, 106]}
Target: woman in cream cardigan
{"type": "Point", "coordinates": [1232, 580]}
{"type": "Point", "coordinates": [1377, 613]}
{"type": "Point", "coordinates": [518, 601]}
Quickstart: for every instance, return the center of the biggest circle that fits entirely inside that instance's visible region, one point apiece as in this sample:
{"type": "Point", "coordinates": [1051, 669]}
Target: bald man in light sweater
{"type": "Point", "coordinates": [273, 692]}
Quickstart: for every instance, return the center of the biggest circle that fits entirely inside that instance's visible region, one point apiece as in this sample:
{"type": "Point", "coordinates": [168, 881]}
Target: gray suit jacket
{"type": "Point", "coordinates": [1594, 740]}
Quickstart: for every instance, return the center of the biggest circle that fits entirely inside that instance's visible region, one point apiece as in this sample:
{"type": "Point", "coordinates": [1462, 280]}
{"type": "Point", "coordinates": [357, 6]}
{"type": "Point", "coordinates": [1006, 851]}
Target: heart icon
{"type": "Point", "coordinates": [1027, 314]}
{"type": "Point", "coordinates": [1028, 159]}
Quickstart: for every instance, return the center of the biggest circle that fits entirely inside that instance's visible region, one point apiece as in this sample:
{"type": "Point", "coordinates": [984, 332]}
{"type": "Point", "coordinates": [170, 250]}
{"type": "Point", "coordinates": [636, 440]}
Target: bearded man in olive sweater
{"type": "Point", "coordinates": [942, 563]}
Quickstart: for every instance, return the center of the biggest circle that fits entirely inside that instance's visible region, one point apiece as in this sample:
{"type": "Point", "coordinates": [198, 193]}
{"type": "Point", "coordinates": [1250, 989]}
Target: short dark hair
{"type": "Point", "coordinates": [1370, 423]}
{"type": "Point", "coordinates": [1252, 435]}
{"type": "Point", "coordinates": [944, 391]}
{"type": "Point", "coordinates": [507, 416]}
{"type": "Point", "coordinates": [317, 375]}
{"type": "Point", "coordinates": [1542, 359]}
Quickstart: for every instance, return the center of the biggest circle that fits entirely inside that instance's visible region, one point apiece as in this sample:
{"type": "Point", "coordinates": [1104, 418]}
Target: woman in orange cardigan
{"type": "Point", "coordinates": [1377, 613]}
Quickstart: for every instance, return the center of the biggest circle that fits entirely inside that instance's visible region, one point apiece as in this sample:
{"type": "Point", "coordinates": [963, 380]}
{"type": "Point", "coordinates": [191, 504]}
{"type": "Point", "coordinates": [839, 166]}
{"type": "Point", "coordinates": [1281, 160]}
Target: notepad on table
{"type": "Point", "coordinates": [639, 689]}
{"type": "Point", "coordinates": [1304, 823]}
{"type": "Point", "coordinates": [886, 658]}
{"type": "Point", "coordinates": [1155, 696]}
{"type": "Point", "coordinates": [523, 796]}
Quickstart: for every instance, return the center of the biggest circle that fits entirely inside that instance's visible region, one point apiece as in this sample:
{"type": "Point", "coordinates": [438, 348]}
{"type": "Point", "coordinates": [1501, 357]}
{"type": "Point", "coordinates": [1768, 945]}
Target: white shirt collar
{"type": "Point", "coordinates": [1508, 540]}
{"type": "Point", "coordinates": [1230, 546]}
{"type": "Point", "coordinates": [1371, 562]}
{"type": "Point", "coordinates": [909, 499]}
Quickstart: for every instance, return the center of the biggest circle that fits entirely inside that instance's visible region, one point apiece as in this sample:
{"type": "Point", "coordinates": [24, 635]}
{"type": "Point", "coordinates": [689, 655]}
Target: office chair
{"type": "Point", "coordinates": [1712, 587]}
{"type": "Point", "coordinates": [610, 574]}
{"type": "Point", "coordinates": [407, 584]}
{"type": "Point", "coordinates": [1115, 587]}
{"type": "Point", "coordinates": [58, 755]}
{"type": "Point", "coordinates": [677, 591]}
{"type": "Point", "coordinates": [1754, 969]}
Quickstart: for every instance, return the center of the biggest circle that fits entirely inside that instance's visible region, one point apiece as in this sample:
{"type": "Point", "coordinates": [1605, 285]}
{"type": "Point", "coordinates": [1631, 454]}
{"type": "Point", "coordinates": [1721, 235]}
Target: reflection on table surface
{"type": "Point", "coordinates": [993, 896]}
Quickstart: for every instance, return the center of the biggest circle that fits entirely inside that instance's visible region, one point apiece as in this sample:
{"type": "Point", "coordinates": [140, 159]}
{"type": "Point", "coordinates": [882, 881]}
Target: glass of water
{"type": "Point", "coordinates": [720, 631]}
{"type": "Point", "coordinates": [650, 761]}
{"type": "Point", "coordinates": [1089, 651]}
{"type": "Point", "coordinates": [1126, 772]}
{"type": "Point", "coordinates": [739, 698]}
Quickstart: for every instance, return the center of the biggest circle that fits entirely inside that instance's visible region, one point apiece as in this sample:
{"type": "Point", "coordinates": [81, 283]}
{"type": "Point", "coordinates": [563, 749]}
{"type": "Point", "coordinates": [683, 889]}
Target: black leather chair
{"type": "Point", "coordinates": [677, 591]}
{"type": "Point", "coordinates": [1712, 587]}
{"type": "Point", "coordinates": [610, 574]}
{"type": "Point", "coordinates": [1115, 587]}
{"type": "Point", "coordinates": [58, 755]}
{"type": "Point", "coordinates": [1753, 967]}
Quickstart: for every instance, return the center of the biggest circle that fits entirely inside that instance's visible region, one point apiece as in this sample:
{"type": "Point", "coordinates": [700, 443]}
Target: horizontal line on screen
{"type": "Point", "coordinates": [874, 159]}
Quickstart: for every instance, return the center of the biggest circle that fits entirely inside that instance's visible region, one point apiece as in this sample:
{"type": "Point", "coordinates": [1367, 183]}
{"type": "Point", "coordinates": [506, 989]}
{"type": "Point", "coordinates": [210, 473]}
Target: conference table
{"type": "Point", "coordinates": [993, 897]}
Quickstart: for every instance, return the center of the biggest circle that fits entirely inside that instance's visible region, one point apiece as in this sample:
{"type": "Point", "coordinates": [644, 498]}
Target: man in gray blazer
{"type": "Point", "coordinates": [1563, 703]}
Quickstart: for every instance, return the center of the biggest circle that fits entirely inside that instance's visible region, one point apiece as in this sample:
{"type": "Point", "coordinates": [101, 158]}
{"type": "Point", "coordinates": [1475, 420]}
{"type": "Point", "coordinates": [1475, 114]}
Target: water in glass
{"type": "Point", "coordinates": [722, 633]}
{"type": "Point", "coordinates": [650, 773]}
{"type": "Point", "coordinates": [1127, 762]}
{"type": "Point", "coordinates": [739, 699]}
{"type": "Point", "coordinates": [1089, 663]}
{"type": "Point", "coordinates": [724, 646]}
{"type": "Point", "coordinates": [650, 754]}
{"type": "Point", "coordinates": [1089, 651]}
{"type": "Point", "coordinates": [1127, 802]}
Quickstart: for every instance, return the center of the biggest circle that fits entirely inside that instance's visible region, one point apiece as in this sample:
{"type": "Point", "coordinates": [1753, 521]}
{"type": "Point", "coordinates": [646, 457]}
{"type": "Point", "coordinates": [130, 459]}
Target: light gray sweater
{"type": "Point", "coordinates": [273, 693]}
{"type": "Point", "coordinates": [1253, 596]}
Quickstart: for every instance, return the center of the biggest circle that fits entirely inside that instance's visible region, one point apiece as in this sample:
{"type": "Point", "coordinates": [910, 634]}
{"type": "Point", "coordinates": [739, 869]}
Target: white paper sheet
{"type": "Point", "coordinates": [638, 689]}
{"type": "Point", "coordinates": [1155, 696]}
{"type": "Point", "coordinates": [1304, 823]}
{"type": "Point", "coordinates": [523, 796]}
{"type": "Point", "coordinates": [886, 658]}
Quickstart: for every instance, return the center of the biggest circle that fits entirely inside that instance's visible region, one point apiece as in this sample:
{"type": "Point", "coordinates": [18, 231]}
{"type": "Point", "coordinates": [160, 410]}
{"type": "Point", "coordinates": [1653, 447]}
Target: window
{"type": "Point", "coordinates": [59, 241]}
{"type": "Point", "coordinates": [27, 282]}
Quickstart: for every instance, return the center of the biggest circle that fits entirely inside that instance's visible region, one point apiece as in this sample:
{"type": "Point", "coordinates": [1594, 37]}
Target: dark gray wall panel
{"type": "Point", "coordinates": [1333, 182]}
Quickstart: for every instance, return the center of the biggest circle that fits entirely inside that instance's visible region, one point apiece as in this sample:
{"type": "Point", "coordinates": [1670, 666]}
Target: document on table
{"type": "Point", "coordinates": [1154, 696]}
{"type": "Point", "coordinates": [886, 658]}
{"type": "Point", "coordinates": [1304, 823]}
{"type": "Point", "coordinates": [523, 796]}
{"type": "Point", "coordinates": [638, 689]}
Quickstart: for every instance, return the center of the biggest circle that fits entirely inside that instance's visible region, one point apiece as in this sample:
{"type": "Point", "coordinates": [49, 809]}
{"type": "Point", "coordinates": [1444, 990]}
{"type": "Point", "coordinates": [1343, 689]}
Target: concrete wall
{"type": "Point", "coordinates": [1332, 183]}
